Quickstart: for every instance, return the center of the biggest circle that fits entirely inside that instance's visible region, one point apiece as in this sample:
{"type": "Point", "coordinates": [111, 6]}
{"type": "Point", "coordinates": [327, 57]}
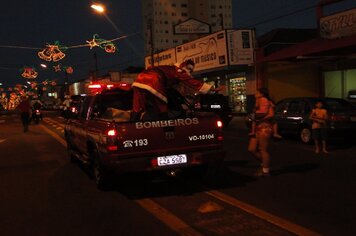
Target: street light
{"type": "Point", "coordinates": [101, 9]}
{"type": "Point", "coordinates": [98, 7]}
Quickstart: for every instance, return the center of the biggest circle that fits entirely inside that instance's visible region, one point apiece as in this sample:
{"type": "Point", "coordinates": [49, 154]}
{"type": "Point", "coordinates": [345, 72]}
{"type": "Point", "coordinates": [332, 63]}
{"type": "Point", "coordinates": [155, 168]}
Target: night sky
{"type": "Point", "coordinates": [30, 24]}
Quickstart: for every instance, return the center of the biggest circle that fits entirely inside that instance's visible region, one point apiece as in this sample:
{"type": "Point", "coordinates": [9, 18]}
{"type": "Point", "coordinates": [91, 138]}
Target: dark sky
{"type": "Point", "coordinates": [33, 23]}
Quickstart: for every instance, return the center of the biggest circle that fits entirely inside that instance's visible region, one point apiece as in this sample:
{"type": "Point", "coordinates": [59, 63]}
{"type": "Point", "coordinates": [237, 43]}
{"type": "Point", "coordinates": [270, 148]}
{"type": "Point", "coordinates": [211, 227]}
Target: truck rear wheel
{"type": "Point", "coordinates": [99, 173]}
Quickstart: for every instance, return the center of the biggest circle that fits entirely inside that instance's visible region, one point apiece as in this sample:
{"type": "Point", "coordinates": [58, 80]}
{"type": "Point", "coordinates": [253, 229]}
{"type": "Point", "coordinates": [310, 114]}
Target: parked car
{"type": "Point", "coordinates": [292, 117]}
{"type": "Point", "coordinates": [351, 97]}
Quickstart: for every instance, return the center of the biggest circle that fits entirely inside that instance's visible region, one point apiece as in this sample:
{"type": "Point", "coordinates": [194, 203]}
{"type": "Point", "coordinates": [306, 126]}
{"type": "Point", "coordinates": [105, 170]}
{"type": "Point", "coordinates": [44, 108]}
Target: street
{"type": "Point", "coordinates": [42, 193]}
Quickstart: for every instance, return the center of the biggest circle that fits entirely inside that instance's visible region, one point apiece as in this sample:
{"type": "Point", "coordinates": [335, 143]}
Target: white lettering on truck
{"type": "Point", "coordinates": [201, 137]}
{"type": "Point", "coordinates": [167, 123]}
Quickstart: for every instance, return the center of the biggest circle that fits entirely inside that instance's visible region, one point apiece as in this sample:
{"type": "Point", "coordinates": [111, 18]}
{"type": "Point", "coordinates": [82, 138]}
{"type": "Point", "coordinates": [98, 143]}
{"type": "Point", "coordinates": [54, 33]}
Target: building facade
{"type": "Point", "coordinates": [161, 16]}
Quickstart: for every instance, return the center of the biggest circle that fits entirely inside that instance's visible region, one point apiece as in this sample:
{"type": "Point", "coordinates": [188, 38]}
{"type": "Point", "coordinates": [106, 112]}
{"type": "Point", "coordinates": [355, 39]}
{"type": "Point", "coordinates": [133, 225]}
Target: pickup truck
{"type": "Point", "coordinates": [103, 136]}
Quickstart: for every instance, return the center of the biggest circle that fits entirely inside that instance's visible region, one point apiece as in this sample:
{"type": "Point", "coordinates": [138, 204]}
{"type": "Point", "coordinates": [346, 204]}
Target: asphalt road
{"type": "Point", "coordinates": [43, 194]}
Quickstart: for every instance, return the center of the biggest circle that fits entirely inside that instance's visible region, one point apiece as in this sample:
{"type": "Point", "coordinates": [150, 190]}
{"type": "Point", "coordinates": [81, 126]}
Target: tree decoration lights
{"type": "Point", "coordinates": [52, 52]}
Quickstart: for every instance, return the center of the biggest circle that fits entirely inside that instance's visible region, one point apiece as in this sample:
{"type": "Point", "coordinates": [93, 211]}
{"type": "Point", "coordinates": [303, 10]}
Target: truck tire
{"type": "Point", "coordinates": [100, 175]}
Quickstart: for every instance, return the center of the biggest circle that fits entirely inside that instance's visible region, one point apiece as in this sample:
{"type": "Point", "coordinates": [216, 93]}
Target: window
{"type": "Point", "coordinates": [184, 5]}
{"type": "Point", "coordinates": [184, 14]}
{"type": "Point", "coordinates": [295, 107]}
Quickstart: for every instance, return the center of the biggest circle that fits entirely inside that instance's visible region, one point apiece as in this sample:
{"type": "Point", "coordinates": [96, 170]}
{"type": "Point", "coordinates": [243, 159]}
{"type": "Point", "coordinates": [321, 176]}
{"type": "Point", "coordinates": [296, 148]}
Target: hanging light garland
{"type": "Point", "coordinates": [55, 52]}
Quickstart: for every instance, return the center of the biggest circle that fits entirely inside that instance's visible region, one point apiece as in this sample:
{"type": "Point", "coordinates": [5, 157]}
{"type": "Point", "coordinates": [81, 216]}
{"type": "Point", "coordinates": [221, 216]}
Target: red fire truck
{"type": "Point", "coordinates": [102, 136]}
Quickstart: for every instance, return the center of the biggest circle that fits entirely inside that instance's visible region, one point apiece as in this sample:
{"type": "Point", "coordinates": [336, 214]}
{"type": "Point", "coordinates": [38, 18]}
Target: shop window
{"type": "Point", "coordinates": [237, 94]}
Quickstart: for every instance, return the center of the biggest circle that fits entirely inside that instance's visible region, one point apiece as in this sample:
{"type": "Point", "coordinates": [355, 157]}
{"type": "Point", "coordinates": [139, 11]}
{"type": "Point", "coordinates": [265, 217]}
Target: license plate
{"type": "Point", "coordinates": [215, 106]}
{"type": "Point", "coordinates": [353, 118]}
{"type": "Point", "coordinates": [37, 113]}
{"type": "Point", "coordinates": [172, 160]}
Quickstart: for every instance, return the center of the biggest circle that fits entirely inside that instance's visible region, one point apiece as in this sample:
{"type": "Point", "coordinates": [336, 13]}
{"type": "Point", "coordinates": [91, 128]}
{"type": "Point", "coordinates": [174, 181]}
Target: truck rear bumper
{"type": "Point", "coordinates": [149, 163]}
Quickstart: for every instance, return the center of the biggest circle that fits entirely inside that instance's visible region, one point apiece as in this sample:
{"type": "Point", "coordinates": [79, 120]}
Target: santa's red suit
{"type": "Point", "coordinates": [155, 81]}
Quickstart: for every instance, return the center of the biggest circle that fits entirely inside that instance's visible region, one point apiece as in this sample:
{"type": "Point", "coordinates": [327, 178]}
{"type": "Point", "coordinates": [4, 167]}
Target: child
{"type": "Point", "coordinates": [319, 116]}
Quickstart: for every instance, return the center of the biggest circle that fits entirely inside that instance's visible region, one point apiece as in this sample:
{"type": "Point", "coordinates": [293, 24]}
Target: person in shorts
{"type": "Point", "coordinates": [319, 117]}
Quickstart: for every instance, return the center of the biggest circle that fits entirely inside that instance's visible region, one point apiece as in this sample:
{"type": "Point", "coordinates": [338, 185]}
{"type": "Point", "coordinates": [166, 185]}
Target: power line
{"type": "Point", "coordinates": [285, 15]}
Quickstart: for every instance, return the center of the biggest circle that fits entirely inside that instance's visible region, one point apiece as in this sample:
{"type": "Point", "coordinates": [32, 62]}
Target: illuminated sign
{"type": "Point", "coordinates": [240, 46]}
{"type": "Point", "coordinates": [338, 25]}
{"type": "Point", "coordinates": [167, 57]}
{"type": "Point", "coordinates": [192, 26]}
{"type": "Point", "coordinates": [207, 52]}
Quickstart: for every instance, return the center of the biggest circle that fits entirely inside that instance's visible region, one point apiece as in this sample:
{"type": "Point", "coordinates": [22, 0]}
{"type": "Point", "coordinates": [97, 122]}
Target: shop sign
{"type": "Point", "coordinates": [167, 57]}
{"type": "Point", "coordinates": [240, 46]}
{"type": "Point", "coordinates": [338, 25]}
{"type": "Point", "coordinates": [192, 26]}
{"type": "Point", "coordinates": [207, 52]}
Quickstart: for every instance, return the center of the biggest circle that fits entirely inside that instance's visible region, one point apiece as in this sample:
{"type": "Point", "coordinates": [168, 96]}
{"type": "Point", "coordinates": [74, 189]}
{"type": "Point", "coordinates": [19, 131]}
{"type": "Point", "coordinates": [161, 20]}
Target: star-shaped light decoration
{"type": "Point", "coordinates": [93, 42]}
{"type": "Point", "coordinates": [57, 68]}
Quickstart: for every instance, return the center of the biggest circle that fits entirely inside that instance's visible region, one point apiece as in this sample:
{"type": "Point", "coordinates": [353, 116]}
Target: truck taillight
{"type": "Point", "coordinates": [111, 144]}
{"type": "Point", "coordinates": [219, 124]}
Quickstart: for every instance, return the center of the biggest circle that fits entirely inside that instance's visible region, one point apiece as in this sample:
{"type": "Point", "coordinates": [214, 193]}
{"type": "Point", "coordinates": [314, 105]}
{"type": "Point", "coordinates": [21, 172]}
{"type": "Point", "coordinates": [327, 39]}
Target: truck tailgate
{"type": "Point", "coordinates": [169, 136]}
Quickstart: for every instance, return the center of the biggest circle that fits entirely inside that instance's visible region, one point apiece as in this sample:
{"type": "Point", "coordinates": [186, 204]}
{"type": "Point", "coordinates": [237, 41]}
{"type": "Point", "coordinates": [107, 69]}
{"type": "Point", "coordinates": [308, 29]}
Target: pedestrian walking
{"type": "Point", "coordinates": [319, 116]}
{"type": "Point", "coordinates": [258, 144]}
{"type": "Point", "coordinates": [24, 108]}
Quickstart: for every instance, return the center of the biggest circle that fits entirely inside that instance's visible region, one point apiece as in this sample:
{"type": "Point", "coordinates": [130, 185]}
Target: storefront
{"type": "Point", "coordinates": [237, 93]}
{"type": "Point", "coordinates": [339, 83]}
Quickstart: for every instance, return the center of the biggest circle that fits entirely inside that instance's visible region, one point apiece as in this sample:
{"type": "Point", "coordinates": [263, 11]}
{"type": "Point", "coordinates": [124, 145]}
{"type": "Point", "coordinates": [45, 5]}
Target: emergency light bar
{"type": "Point", "coordinates": [94, 86]}
{"type": "Point", "coordinates": [124, 86]}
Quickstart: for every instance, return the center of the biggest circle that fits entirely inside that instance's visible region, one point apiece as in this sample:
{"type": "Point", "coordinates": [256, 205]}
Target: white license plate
{"type": "Point", "coordinates": [215, 106]}
{"type": "Point", "coordinates": [172, 160]}
{"type": "Point", "coordinates": [353, 118]}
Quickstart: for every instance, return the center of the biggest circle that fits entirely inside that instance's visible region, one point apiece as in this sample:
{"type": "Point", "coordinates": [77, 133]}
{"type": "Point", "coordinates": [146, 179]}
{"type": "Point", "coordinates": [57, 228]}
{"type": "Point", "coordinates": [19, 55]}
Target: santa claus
{"type": "Point", "coordinates": [152, 85]}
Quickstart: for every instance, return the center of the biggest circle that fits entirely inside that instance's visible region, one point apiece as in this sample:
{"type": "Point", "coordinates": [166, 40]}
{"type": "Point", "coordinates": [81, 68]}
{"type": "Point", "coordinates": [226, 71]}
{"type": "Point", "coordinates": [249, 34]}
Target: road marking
{"type": "Point", "coordinates": [54, 135]}
{"type": "Point", "coordinates": [2, 121]}
{"type": "Point", "coordinates": [155, 209]}
{"type": "Point", "coordinates": [2, 140]}
{"type": "Point", "coordinates": [183, 228]}
{"type": "Point", "coordinates": [167, 218]}
{"type": "Point", "coordinates": [282, 223]}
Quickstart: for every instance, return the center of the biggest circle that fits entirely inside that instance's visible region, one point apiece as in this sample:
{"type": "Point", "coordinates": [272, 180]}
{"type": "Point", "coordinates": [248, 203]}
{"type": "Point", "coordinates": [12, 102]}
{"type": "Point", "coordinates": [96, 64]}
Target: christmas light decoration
{"type": "Point", "coordinates": [29, 73]}
{"type": "Point", "coordinates": [69, 70]}
{"type": "Point", "coordinates": [52, 52]}
{"type": "Point", "coordinates": [57, 68]}
{"type": "Point", "coordinates": [110, 48]}
{"type": "Point", "coordinates": [107, 45]}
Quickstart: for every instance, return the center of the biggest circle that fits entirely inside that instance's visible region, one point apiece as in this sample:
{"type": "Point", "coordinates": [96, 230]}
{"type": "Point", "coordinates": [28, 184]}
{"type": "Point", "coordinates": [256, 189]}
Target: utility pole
{"type": "Point", "coordinates": [96, 66]}
{"type": "Point", "coordinates": [66, 85]}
